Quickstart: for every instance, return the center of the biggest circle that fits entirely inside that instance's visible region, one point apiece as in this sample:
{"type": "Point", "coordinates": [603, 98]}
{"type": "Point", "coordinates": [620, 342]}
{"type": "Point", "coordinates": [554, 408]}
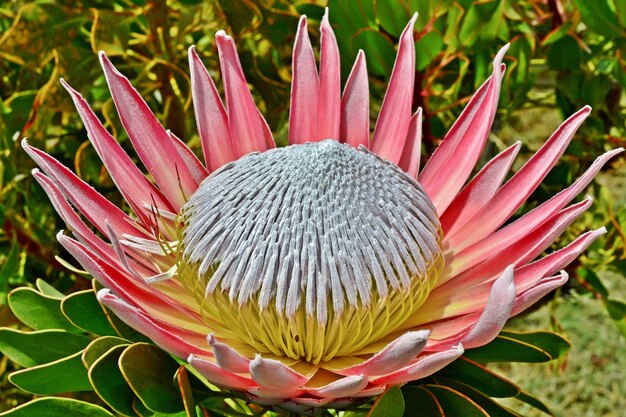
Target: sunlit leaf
{"type": "Point", "coordinates": [38, 311]}
{"type": "Point", "coordinates": [39, 347]}
{"type": "Point", "coordinates": [64, 375]}
{"type": "Point", "coordinates": [552, 343]}
{"type": "Point", "coordinates": [505, 349]}
{"type": "Point", "coordinates": [57, 407]}
{"type": "Point", "coordinates": [47, 289]}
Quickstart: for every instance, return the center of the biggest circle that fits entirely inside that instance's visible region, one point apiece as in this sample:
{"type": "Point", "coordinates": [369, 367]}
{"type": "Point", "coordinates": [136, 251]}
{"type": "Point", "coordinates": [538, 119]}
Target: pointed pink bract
{"type": "Point", "coordinates": [211, 117]}
{"type": "Point", "coordinates": [244, 120]}
{"type": "Point", "coordinates": [355, 106]}
{"type": "Point", "coordinates": [304, 90]}
{"type": "Point", "coordinates": [394, 118]}
{"type": "Point", "coordinates": [149, 138]}
{"type": "Point", "coordinates": [329, 100]}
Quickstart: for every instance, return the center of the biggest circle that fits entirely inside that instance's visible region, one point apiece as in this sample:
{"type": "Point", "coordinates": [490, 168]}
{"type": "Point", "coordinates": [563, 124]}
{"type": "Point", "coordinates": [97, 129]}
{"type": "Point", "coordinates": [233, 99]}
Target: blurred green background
{"type": "Point", "coordinates": [564, 54]}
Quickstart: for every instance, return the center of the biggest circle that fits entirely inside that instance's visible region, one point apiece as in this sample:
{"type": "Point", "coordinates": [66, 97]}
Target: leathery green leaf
{"type": "Point", "coordinates": [553, 344]}
{"type": "Point", "coordinates": [389, 404]}
{"type": "Point", "coordinates": [64, 375]}
{"type": "Point", "coordinates": [99, 347]}
{"type": "Point", "coordinates": [141, 410]}
{"type": "Point", "coordinates": [84, 311]}
{"type": "Point", "coordinates": [57, 407]}
{"type": "Point", "coordinates": [47, 289]}
{"type": "Point", "coordinates": [491, 407]}
{"type": "Point", "coordinates": [38, 311]}
{"type": "Point", "coordinates": [534, 402]}
{"type": "Point", "coordinates": [505, 349]}
{"type": "Point", "coordinates": [455, 404]}
{"type": "Point", "coordinates": [419, 402]}
{"type": "Point", "coordinates": [38, 347]}
{"type": "Point", "coordinates": [109, 383]}
{"type": "Point", "coordinates": [150, 372]}
{"type": "Point", "coordinates": [481, 378]}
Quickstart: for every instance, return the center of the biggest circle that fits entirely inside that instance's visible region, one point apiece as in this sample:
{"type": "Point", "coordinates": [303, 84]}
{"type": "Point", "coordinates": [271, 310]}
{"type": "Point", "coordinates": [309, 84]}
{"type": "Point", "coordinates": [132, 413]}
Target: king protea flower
{"type": "Point", "coordinates": [331, 269]}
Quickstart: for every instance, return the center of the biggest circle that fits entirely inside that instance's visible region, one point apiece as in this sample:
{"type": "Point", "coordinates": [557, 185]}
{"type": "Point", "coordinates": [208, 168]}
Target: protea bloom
{"type": "Point", "coordinates": [312, 275]}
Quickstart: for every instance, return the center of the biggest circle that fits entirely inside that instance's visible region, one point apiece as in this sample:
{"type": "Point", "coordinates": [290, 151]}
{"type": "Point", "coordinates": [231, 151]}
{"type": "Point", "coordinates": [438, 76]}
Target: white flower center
{"type": "Point", "coordinates": [310, 251]}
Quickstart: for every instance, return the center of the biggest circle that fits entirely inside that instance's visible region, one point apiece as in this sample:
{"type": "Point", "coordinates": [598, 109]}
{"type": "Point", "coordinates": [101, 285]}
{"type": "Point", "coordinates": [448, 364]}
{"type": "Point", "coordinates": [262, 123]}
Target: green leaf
{"type": "Point", "coordinates": [481, 20]}
{"type": "Point", "coordinates": [480, 378]}
{"type": "Point", "coordinates": [419, 402]}
{"type": "Point", "coordinates": [312, 11]}
{"type": "Point", "coordinates": [57, 407]}
{"type": "Point", "coordinates": [39, 347]}
{"type": "Point", "coordinates": [600, 17]}
{"type": "Point", "coordinates": [565, 54]}
{"type": "Point", "coordinates": [505, 349]}
{"type": "Point", "coordinates": [84, 311]}
{"type": "Point", "coordinates": [491, 407]}
{"type": "Point", "coordinates": [389, 404]}
{"type": "Point", "coordinates": [593, 279]}
{"type": "Point", "coordinates": [620, 9]}
{"type": "Point", "coordinates": [379, 51]}
{"type": "Point", "coordinates": [38, 311]}
{"type": "Point", "coordinates": [553, 344]}
{"type": "Point", "coordinates": [10, 267]}
{"type": "Point", "coordinates": [99, 347]}
{"type": "Point", "coordinates": [393, 16]}
{"type": "Point", "coordinates": [141, 410]}
{"type": "Point", "coordinates": [47, 289]}
{"type": "Point", "coordinates": [455, 404]}
{"type": "Point", "coordinates": [617, 311]}
{"type": "Point", "coordinates": [453, 22]}
{"type": "Point", "coordinates": [351, 16]}
{"type": "Point", "coordinates": [150, 373]}
{"type": "Point", "coordinates": [534, 402]}
{"type": "Point", "coordinates": [64, 375]}
{"type": "Point", "coordinates": [427, 48]}
{"type": "Point", "coordinates": [20, 105]}
{"type": "Point", "coordinates": [109, 383]}
{"type": "Point", "coordinates": [557, 34]}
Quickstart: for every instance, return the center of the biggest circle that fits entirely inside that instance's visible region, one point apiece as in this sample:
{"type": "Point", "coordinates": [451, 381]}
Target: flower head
{"type": "Point", "coordinates": [312, 275]}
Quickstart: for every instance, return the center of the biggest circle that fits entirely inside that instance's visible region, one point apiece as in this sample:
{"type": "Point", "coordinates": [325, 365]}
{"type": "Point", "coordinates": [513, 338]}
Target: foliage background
{"type": "Point", "coordinates": [564, 54]}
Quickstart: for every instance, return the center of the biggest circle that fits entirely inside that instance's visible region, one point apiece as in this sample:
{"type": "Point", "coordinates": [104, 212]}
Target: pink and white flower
{"type": "Point", "coordinates": [334, 268]}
